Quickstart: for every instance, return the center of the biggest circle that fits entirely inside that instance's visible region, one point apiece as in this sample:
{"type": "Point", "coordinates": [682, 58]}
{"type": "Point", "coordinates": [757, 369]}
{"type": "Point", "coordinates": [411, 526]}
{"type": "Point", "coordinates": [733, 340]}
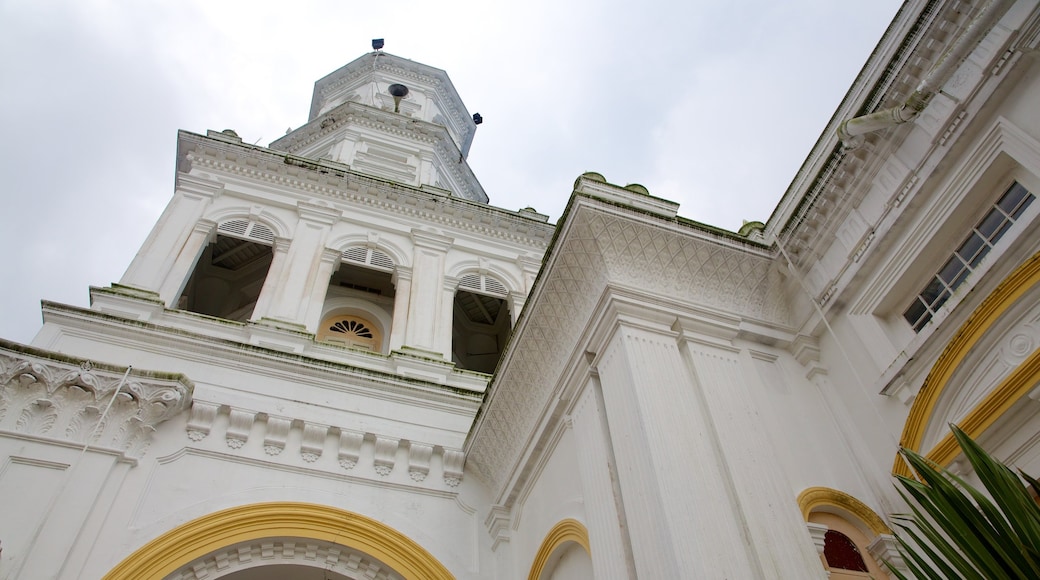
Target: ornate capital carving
{"type": "Point", "coordinates": [50, 395]}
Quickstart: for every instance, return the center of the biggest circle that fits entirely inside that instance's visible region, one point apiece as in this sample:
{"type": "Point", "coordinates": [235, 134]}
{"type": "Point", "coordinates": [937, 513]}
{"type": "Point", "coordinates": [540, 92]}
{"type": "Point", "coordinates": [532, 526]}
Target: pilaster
{"type": "Point", "coordinates": [601, 496]}
{"type": "Point", "coordinates": [426, 296]}
{"type": "Point", "coordinates": [330, 260]}
{"type": "Point", "coordinates": [280, 253]}
{"type": "Point", "coordinates": [177, 276]}
{"type": "Point", "coordinates": [402, 280]}
{"type": "Point", "coordinates": [303, 267]}
{"type": "Point", "coordinates": [166, 242]}
{"type": "Point", "coordinates": [681, 519]}
{"type": "Point", "coordinates": [773, 528]}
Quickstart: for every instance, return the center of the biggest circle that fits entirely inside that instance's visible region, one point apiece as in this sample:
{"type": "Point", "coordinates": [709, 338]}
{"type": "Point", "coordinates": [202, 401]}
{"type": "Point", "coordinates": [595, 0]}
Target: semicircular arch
{"type": "Point", "coordinates": [199, 537]}
{"type": "Point", "coordinates": [278, 226]}
{"type": "Point", "coordinates": [566, 531]}
{"type": "Point", "coordinates": [394, 251]}
{"type": "Point", "coordinates": [828, 499]}
{"type": "Point", "coordinates": [506, 278]}
{"type": "Point", "coordinates": [1016, 385]}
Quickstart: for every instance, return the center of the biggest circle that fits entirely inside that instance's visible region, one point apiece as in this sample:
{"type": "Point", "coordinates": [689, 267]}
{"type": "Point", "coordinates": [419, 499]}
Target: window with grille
{"type": "Point", "coordinates": [483, 284]}
{"type": "Point", "coordinates": [352, 331]}
{"type": "Point", "coordinates": [997, 221]}
{"type": "Point", "coordinates": [247, 229]}
{"type": "Point", "coordinates": [370, 257]}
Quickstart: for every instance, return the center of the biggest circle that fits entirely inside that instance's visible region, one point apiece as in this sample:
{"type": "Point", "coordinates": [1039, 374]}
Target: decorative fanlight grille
{"type": "Point", "coordinates": [370, 257]}
{"type": "Point", "coordinates": [483, 284]}
{"type": "Point", "coordinates": [247, 229]}
{"type": "Point", "coordinates": [351, 327]}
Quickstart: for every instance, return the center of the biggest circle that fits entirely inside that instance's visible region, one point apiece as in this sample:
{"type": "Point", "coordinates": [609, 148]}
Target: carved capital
{"type": "Point", "coordinates": [47, 394]}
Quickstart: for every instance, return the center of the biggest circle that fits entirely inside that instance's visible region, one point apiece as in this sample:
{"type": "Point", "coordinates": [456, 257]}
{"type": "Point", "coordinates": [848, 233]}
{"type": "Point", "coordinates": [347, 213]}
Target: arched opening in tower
{"type": "Point", "coordinates": [227, 279]}
{"type": "Point", "coordinates": [480, 330]}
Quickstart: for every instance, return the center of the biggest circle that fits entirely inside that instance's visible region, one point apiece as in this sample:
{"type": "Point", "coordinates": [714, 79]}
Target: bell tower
{"type": "Point", "coordinates": [393, 118]}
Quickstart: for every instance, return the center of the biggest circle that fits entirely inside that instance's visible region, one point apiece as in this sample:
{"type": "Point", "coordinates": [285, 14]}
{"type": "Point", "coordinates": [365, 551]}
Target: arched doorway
{"type": "Point", "coordinates": [280, 533]}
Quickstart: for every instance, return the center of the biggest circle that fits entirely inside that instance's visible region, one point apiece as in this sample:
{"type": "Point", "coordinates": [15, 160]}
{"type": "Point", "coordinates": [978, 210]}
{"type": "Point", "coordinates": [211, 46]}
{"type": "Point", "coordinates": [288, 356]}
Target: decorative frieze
{"type": "Point", "coordinates": [350, 448]}
{"type": "Point", "coordinates": [385, 455]}
{"type": "Point", "coordinates": [45, 394]}
{"type": "Point", "coordinates": [240, 423]}
{"type": "Point", "coordinates": [314, 440]}
{"type": "Point", "coordinates": [277, 433]}
{"type": "Point", "coordinates": [322, 556]}
{"type": "Point", "coordinates": [419, 461]}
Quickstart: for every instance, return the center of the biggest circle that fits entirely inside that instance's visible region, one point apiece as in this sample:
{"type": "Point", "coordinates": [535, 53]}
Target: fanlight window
{"type": "Point", "coordinates": [352, 331]}
{"type": "Point", "coordinates": [370, 257]}
{"type": "Point", "coordinates": [247, 229]}
{"type": "Point", "coordinates": [483, 284]}
{"type": "Point", "coordinates": [351, 327]}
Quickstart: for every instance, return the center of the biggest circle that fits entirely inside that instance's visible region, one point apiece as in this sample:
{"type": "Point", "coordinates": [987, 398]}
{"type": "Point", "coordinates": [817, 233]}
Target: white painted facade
{"type": "Point", "coordinates": [347, 365]}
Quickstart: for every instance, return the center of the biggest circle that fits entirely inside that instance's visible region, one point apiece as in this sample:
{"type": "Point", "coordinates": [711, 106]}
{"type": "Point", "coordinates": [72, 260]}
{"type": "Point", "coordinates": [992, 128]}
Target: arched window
{"type": "Point", "coordinates": [352, 331]}
{"type": "Point", "coordinates": [841, 552]}
{"type": "Point", "coordinates": [481, 323]}
{"type": "Point", "coordinates": [231, 271]}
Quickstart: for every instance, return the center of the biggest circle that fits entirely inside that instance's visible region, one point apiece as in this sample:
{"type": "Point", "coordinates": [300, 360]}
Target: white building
{"type": "Point", "coordinates": [346, 364]}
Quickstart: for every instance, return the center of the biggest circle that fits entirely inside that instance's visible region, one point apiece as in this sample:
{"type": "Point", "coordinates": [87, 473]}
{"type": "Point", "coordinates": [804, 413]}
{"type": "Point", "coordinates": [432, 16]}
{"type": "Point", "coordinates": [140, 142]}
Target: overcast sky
{"type": "Point", "coordinates": [713, 105]}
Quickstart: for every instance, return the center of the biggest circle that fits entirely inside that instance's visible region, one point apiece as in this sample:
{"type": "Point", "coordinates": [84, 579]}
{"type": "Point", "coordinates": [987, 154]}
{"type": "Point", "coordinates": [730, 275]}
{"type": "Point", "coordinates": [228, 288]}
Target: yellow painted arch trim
{"type": "Point", "coordinates": [816, 497]}
{"type": "Point", "coordinates": [568, 530]}
{"type": "Point", "coordinates": [1017, 284]}
{"type": "Point", "coordinates": [194, 539]}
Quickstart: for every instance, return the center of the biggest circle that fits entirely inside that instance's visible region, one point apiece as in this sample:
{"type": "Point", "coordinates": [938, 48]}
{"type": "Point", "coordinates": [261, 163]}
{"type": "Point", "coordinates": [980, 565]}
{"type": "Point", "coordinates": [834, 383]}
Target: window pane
{"type": "Point", "coordinates": [915, 312]}
{"type": "Point", "coordinates": [991, 223]}
{"type": "Point", "coordinates": [952, 271]}
{"type": "Point", "coordinates": [932, 291]}
{"type": "Point", "coordinates": [1022, 207]}
{"type": "Point", "coordinates": [971, 247]}
{"type": "Point", "coordinates": [924, 320]}
{"type": "Point", "coordinates": [1011, 200]}
{"type": "Point", "coordinates": [940, 300]}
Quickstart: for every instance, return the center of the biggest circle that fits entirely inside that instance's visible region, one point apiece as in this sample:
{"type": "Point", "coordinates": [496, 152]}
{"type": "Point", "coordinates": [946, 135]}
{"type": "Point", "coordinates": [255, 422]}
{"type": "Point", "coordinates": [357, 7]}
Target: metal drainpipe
{"type": "Point", "coordinates": [851, 130]}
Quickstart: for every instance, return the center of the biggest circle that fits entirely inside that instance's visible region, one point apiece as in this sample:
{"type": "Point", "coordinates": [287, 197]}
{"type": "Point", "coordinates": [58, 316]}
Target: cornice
{"type": "Point", "coordinates": [336, 119]}
{"type": "Point", "coordinates": [205, 348]}
{"type": "Point", "coordinates": [908, 50]}
{"type": "Point", "coordinates": [52, 396]}
{"type": "Point", "coordinates": [306, 178]}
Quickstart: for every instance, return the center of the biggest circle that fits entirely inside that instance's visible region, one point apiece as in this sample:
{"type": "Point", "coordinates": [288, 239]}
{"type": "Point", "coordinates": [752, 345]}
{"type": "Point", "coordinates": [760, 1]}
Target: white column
{"type": "Point", "coordinates": [682, 519]}
{"type": "Point", "coordinates": [608, 538]}
{"type": "Point", "coordinates": [402, 280]}
{"type": "Point", "coordinates": [186, 261]}
{"type": "Point", "coordinates": [303, 265]}
{"type": "Point", "coordinates": [762, 499]}
{"type": "Point", "coordinates": [280, 251]}
{"type": "Point", "coordinates": [330, 260]}
{"type": "Point", "coordinates": [426, 295]}
{"type": "Point", "coordinates": [446, 318]}
{"type": "Point", "coordinates": [166, 242]}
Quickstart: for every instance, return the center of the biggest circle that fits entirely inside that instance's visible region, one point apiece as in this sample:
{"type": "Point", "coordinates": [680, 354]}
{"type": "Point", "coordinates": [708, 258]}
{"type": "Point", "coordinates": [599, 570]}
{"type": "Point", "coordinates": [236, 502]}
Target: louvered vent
{"type": "Point", "coordinates": [248, 230]}
{"type": "Point", "coordinates": [369, 257]}
{"type": "Point", "coordinates": [483, 284]}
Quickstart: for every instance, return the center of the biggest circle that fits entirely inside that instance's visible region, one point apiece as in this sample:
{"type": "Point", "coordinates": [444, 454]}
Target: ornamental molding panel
{"type": "Point", "coordinates": [303, 552]}
{"type": "Point", "coordinates": [301, 178]}
{"type": "Point", "coordinates": [602, 248]}
{"type": "Point", "coordinates": [327, 367]}
{"type": "Point", "coordinates": [51, 396]}
{"type": "Point", "coordinates": [260, 436]}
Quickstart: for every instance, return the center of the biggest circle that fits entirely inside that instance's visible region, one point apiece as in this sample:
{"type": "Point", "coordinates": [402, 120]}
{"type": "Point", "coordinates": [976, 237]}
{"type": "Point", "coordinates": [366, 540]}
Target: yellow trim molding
{"type": "Point", "coordinates": [816, 497]}
{"type": "Point", "coordinates": [568, 530]}
{"type": "Point", "coordinates": [194, 539]}
{"type": "Point", "coordinates": [1024, 278]}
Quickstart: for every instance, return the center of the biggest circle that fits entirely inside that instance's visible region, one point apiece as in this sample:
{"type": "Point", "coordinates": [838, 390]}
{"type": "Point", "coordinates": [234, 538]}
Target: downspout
{"type": "Point", "coordinates": [851, 130]}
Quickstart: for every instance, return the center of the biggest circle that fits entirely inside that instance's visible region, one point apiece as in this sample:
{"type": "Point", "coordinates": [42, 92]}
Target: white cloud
{"type": "Point", "coordinates": [711, 104]}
